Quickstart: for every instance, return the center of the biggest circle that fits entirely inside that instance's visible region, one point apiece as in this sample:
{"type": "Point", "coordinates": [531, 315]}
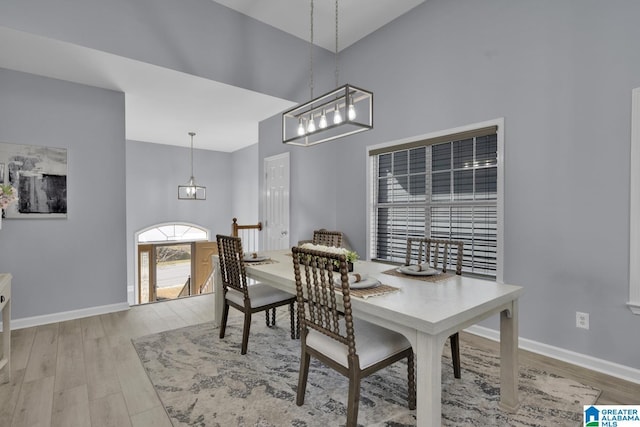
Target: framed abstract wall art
{"type": "Point", "coordinates": [39, 174]}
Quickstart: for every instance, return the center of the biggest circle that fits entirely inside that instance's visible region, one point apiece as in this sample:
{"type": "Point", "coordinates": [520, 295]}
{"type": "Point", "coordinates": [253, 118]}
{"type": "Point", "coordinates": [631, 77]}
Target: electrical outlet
{"type": "Point", "coordinates": [582, 320]}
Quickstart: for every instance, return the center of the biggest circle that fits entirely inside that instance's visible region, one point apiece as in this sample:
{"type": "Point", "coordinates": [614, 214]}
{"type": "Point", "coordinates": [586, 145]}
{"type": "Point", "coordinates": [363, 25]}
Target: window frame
{"type": "Point", "coordinates": [499, 123]}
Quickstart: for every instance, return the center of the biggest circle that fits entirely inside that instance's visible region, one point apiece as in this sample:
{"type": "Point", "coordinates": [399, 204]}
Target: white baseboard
{"type": "Point", "coordinates": [27, 322]}
{"type": "Point", "coordinates": [599, 365]}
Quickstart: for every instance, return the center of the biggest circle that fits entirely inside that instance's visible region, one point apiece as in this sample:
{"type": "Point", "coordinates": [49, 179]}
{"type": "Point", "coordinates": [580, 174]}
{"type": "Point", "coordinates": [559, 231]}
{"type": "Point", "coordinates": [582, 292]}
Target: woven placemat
{"type": "Point", "coordinates": [373, 292]}
{"type": "Point", "coordinates": [440, 277]}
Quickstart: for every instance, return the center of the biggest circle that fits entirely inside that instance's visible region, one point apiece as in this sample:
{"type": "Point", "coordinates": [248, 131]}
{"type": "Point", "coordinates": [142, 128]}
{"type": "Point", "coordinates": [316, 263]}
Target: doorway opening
{"type": "Point", "coordinates": [173, 261]}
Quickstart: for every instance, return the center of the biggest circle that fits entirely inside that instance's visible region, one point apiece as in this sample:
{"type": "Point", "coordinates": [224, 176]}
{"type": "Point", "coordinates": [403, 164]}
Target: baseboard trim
{"type": "Point", "coordinates": [27, 322]}
{"type": "Point", "coordinates": [599, 365]}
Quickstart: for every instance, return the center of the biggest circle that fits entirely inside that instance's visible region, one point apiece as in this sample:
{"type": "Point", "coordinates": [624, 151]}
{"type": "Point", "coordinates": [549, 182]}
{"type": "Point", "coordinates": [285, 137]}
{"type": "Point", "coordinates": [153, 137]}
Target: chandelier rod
{"type": "Point", "coordinates": [192, 135]}
{"type": "Point", "coordinates": [336, 52]}
{"type": "Point", "coordinates": [311, 53]}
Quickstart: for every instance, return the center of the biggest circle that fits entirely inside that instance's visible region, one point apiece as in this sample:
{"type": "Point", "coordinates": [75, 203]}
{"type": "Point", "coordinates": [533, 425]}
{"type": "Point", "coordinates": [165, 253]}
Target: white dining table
{"type": "Point", "coordinates": [424, 312]}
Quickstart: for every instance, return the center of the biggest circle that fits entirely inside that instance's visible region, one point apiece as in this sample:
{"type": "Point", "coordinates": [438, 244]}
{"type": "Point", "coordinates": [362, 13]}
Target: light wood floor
{"type": "Point", "coordinates": [86, 372]}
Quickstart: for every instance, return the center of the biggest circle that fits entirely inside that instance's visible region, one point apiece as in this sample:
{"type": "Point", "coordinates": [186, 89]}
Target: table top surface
{"type": "Point", "coordinates": [429, 307]}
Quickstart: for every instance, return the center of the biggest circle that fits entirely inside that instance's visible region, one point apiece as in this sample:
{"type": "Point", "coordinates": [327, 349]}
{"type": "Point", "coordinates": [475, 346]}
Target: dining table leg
{"type": "Point", "coordinates": [428, 358]}
{"type": "Point", "coordinates": [509, 358]}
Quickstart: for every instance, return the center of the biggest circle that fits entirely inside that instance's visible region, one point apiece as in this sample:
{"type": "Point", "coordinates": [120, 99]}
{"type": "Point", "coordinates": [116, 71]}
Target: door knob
{"type": "Point", "coordinates": [283, 232]}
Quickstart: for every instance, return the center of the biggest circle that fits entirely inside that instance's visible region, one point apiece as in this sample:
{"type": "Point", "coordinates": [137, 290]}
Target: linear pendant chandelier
{"type": "Point", "coordinates": [344, 111]}
{"type": "Point", "coordinates": [191, 191]}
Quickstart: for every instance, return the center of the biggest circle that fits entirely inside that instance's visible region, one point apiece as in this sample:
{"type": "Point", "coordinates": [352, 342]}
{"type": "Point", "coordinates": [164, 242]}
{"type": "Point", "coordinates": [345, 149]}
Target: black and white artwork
{"type": "Point", "coordinates": [40, 176]}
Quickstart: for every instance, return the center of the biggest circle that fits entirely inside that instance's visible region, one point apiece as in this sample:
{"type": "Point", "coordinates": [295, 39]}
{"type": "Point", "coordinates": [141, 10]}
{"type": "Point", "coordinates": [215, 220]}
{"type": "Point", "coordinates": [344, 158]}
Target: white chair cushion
{"type": "Point", "coordinates": [259, 294]}
{"type": "Point", "coordinates": [373, 343]}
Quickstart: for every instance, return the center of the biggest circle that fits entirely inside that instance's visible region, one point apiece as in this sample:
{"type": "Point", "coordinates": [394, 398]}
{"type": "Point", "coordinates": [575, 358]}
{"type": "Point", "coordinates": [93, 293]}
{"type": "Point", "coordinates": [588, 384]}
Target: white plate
{"type": "Point", "coordinates": [365, 284]}
{"type": "Point", "coordinates": [411, 272]}
{"type": "Point", "coordinates": [249, 258]}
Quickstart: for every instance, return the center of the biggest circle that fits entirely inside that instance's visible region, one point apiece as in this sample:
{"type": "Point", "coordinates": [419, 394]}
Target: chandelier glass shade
{"type": "Point", "coordinates": [190, 190]}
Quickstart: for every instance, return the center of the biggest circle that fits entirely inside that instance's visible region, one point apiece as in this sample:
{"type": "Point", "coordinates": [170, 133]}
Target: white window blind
{"type": "Point", "coordinates": [445, 190]}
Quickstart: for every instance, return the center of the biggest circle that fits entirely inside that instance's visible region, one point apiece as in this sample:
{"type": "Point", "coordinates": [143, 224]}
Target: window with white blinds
{"type": "Point", "coordinates": [445, 190]}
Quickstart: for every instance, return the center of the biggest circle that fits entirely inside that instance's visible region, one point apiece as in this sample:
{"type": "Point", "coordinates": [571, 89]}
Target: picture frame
{"type": "Point", "coordinates": [39, 174]}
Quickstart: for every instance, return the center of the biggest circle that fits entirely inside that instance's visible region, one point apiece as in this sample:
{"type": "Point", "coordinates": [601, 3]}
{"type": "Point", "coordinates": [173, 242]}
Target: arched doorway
{"type": "Point", "coordinates": [173, 260]}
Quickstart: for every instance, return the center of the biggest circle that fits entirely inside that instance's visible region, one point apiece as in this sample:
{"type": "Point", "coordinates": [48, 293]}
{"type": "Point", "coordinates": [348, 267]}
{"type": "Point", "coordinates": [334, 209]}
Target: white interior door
{"type": "Point", "coordinates": [276, 202]}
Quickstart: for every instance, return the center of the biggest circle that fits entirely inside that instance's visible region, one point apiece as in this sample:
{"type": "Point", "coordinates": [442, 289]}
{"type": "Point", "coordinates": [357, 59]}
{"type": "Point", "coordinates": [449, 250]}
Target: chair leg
{"type": "Point", "coordinates": [298, 327]}
{"type": "Point", "coordinates": [223, 323]}
{"type": "Point", "coordinates": [455, 354]}
{"type": "Point", "coordinates": [270, 322]}
{"type": "Point", "coordinates": [295, 334]}
{"type": "Point", "coordinates": [411, 372]}
{"type": "Point", "coordinates": [354, 398]}
{"type": "Point", "coordinates": [245, 332]}
{"type": "Point", "coordinates": [305, 358]}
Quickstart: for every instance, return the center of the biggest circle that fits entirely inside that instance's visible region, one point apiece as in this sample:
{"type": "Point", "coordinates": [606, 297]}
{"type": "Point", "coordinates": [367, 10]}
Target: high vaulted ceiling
{"type": "Point", "coordinates": [163, 105]}
{"type": "Point", "coordinates": [356, 18]}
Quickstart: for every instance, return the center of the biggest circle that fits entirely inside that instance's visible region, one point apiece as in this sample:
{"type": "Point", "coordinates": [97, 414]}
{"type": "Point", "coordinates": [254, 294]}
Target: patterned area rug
{"type": "Point", "coordinates": [204, 381]}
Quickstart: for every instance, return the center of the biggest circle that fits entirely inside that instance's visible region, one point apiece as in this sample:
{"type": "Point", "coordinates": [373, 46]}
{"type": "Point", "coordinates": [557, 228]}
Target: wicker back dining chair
{"type": "Point", "coordinates": [248, 299]}
{"type": "Point", "coordinates": [329, 332]}
{"type": "Point", "coordinates": [436, 253]}
{"type": "Point", "coordinates": [327, 238]}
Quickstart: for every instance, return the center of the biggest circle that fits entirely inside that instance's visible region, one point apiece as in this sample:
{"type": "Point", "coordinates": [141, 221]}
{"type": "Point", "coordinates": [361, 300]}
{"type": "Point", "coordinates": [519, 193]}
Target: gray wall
{"type": "Point", "coordinates": [561, 74]}
{"type": "Point", "coordinates": [198, 37]}
{"type": "Point", "coordinates": [315, 177]}
{"type": "Point", "coordinates": [245, 180]}
{"type": "Point", "coordinates": [154, 172]}
{"type": "Point", "coordinates": [191, 38]}
{"type": "Point", "coordinates": [68, 264]}
{"type": "Point", "coordinates": [81, 261]}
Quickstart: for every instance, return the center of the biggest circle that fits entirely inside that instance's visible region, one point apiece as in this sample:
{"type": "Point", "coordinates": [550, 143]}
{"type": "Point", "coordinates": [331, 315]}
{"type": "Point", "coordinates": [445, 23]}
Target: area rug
{"type": "Point", "coordinates": [204, 381]}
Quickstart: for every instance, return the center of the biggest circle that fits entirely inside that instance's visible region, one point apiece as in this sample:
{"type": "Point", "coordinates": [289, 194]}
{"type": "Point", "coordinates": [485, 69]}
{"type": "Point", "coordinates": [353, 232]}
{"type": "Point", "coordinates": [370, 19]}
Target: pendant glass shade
{"type": "Point", "coordinates": [337, 117]}
{"type": "Point", "coordinates": [352, 113]}
{"type": "Point", "coordinates": [352, 110]}
{"type": "Point", "coordinates": [190, 190]}
{"type": "Point", "coordinates": [323, 119]}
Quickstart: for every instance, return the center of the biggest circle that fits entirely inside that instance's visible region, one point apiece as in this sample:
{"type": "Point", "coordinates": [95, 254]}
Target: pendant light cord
{"type": "Point", "coordinates": [191, 134]}
{"type": "Point", "coordinates": [336, 53]}
{"type": "Point", "coordinates": [311, 53]}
